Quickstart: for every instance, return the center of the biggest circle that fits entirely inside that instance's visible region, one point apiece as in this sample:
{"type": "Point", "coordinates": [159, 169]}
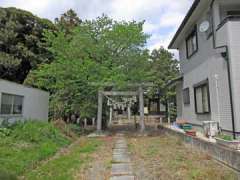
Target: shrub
{"type": "Point", "coordinates": [4, 132]}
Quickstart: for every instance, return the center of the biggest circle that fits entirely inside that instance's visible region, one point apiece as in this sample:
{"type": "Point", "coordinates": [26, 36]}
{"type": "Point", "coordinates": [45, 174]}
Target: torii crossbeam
{"type": "Point", "coordinates": [139, 93]}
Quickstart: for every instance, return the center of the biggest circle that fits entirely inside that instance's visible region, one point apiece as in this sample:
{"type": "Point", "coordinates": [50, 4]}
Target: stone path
{"type": "Point", "coordinates": [121, 163]}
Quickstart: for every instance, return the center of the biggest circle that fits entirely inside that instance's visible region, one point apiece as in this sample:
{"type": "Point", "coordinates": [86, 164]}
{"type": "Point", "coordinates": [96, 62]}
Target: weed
{"type": "Point", "coordinates": [25, 144]}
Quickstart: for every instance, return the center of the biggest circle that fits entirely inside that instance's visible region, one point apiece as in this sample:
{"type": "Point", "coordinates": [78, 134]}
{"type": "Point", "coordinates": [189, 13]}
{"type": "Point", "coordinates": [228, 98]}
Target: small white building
{"type": "Point", "coordinates": [19, 102]}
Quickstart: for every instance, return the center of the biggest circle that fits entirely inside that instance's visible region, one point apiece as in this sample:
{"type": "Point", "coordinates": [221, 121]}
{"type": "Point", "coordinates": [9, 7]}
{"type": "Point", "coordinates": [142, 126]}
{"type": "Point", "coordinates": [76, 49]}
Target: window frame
{"type": "Point", "coordinates": [12, 104]}
{"type": "Point", "coordinates": [186, 90]}
{"type": "Point", "coordinates": [190, 36]}
{"type": "Point", "coordinates": [202, 84]}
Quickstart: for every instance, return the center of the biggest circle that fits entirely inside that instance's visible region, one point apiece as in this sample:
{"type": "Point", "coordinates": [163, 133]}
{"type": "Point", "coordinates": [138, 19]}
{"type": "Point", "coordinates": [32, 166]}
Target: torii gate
{"type": "Point", "coordinates": [139, 93]}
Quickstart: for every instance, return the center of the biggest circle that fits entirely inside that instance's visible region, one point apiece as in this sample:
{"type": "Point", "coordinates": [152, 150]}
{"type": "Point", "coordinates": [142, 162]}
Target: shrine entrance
{"type": "Point", "coordinates": [121, 100]}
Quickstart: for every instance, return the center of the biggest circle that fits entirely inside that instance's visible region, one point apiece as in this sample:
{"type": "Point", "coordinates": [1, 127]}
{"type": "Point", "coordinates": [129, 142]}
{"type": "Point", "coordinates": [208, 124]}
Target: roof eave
{"type": "Point", "coordinates": [172, 44]}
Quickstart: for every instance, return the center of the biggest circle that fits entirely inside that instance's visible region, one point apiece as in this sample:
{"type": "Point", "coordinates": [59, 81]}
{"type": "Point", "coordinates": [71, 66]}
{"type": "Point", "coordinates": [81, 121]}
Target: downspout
{"type": "Point", "coordinates": [227, 58]}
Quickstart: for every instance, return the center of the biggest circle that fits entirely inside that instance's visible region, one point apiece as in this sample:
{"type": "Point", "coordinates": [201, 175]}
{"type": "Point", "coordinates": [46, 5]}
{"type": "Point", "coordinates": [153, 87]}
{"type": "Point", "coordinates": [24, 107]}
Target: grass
{"type": "Point", "coordinates": [65, 166]}
{"type": "Point", "coordinates": [166, 157]}
{"type": "Point", "coordinates": [25, 144]}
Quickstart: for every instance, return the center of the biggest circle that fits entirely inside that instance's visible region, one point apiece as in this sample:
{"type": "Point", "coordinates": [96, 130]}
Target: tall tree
{"type": "Point", "coordinates": [164, 68]}
{"type": "Point", "coordinates": [96, 51]}
{"type": "Point", "coordinates": [21, 41]}
{"type": "Point", "coordinates": [68, 21]}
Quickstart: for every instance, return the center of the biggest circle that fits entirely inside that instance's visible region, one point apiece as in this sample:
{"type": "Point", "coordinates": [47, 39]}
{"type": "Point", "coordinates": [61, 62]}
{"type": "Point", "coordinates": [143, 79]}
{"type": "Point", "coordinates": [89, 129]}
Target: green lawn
{"type": "Point", "coordinates": [66, 165]}
{"type": "Point", "coordinates": [24, 145]}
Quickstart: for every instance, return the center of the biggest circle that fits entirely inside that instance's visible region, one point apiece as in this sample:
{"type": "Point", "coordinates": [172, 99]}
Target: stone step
{"type": "Point", "coordinates": [122, 178]}
{"type": "Point", "coordinates": [121, 163]}
{"type": "Point", "coordinates": [121, 158]}
{"type": "Point", "coordinates": [120, 146]}
{"type": "Point", "coordinates": [121, 169]}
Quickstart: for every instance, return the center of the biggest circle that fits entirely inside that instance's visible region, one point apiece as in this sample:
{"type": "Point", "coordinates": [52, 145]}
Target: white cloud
{"type": "Point", "coordinates": [162, 17]}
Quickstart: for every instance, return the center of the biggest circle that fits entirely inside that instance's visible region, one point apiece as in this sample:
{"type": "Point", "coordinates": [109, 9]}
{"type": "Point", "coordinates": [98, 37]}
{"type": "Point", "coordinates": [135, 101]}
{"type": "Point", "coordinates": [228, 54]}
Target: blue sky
{"type": "Point", "coordinates": [162, 16]}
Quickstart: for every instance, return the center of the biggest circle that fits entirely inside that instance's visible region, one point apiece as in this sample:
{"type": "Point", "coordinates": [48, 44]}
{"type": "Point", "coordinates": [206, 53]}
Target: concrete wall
{"type": "Point", "coordinates": [35, 101]}
{"type": "Point", "coordinates": [225, 155]}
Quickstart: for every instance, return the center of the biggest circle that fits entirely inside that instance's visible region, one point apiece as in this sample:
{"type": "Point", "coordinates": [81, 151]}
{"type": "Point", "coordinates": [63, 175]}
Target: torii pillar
{"type": "Point", "coordinates": [141, 108]}
{"type": "Point", "coordinates": [110, 115]}
{"type": "Point", "coordinates": [99, 115]}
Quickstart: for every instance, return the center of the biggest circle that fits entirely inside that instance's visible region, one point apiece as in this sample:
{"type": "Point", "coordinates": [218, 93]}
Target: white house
{"type": "Point", "coordinates": [22, 102]}
{"type": "Point", "coordinates": [208, 41]}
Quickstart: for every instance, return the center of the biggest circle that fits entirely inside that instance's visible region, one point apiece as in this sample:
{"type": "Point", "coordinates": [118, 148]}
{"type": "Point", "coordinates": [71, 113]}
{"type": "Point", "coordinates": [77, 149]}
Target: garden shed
{"type": "Point", "coordinates": [19, 102]}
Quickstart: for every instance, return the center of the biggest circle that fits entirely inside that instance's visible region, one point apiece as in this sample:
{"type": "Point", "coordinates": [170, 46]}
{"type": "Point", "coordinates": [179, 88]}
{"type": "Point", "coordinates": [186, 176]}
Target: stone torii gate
{"type": "Point", "coordinates": [139, 93]}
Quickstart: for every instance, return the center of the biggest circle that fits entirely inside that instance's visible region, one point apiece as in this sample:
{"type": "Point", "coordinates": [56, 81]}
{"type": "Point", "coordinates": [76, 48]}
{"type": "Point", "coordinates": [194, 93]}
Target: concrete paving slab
{"type": "Point", "coordinates": [122, 178]}
{"type": "Point", "coordinates": [122, 150]}
{"type": "Point", "coordinates": [121, 158]}
{"type": "Point", "coordinates": [121, 165]}
{"type": "Point", "coordinates": [120, 146]}
{"type": "Point", "coordinates": [121, 153]}
{"type": "Point", "coordinates": [121, 169]}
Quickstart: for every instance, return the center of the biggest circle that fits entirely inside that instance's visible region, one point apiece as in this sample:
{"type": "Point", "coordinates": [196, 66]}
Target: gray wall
{"type": "Point", "coordinates": [234, 50]}
{"type": "Point", "coordinates": [35, 101]}
{"type": "Point", "coordinates": [207, 63]}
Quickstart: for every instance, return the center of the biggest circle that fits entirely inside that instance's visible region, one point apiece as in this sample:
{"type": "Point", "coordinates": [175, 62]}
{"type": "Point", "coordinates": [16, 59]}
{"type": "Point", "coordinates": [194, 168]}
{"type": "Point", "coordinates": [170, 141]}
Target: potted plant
{"type": "Point", "coordinates": [228, 141]}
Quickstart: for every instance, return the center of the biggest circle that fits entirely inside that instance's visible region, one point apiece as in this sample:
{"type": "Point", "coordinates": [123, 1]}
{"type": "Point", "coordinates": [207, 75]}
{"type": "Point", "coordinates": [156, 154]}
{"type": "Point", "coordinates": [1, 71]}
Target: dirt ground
{"type": "Point", "coordinates": [158, 156]}
{"type": "Point", "coordinates": [154, 156]}
{"type": "Point", "coordinates": [99, 167]}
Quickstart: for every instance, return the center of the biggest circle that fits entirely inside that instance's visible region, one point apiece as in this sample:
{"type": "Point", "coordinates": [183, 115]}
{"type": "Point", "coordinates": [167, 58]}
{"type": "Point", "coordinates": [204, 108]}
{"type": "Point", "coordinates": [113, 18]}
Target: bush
{"type": "Point", "coordinates": [4, 132]}
{"type": "Point", "coordinates": [37, 132]}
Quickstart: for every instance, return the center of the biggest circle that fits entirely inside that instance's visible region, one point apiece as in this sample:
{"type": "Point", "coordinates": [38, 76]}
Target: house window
{"type": "Point", "coordinates": [202, 98]}
{"type": "Point", "coordinates": [186, 96]}
{"type": "Point", "coordinates": [11, 104]}
{"type": "Point", "coordinates": [192, 43]}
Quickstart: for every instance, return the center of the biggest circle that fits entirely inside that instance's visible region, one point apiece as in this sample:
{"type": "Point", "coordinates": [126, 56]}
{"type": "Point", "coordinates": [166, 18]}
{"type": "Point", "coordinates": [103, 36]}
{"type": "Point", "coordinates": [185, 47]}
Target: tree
{"type": "Point", "coordinates": [21, 41]}
{"type": "Point", "coordinates": [68, 21]}
{"type": "Point", "coordinates": [164, 68]}
{"type": "Point", "coordinates": [96, 51]}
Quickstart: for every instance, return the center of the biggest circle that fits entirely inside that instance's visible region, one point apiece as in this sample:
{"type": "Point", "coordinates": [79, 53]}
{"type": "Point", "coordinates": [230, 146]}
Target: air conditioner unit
{"type": "Point", "coordinates": [211, 128]}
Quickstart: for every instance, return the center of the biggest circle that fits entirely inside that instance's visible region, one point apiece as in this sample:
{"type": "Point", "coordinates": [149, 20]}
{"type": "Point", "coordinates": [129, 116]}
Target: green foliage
{"type": "Point", "coordinates": [67, 21]}
{"type": "Point", "coordinates": [37, 132]}
{"type": "Point", "coordinates": [7, 176]}
{"type": "Point", "coordinates": [21, 47]}
{"type": "Point", "coordinates": [27, 143]}
{"type": "Point", "coordinates": [4, 132]}
{"type": "Point", "coordinates": [164, 69]}
{"type": "Point", "coordinates": [74, 160]}
{"type": "Point", "coordinates": [226, 137]}
{"type": "Point", "coordinates": [95, 52]}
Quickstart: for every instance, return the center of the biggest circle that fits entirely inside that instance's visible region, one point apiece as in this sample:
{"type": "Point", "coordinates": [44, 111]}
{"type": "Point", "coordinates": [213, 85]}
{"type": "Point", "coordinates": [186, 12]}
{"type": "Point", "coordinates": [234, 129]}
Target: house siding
{"type": "Point", "coordinates": [207, 63]}
{"type": "Point", "coordinates": [35, 102]}
{"type": "Point", "coordinates": [233, 28]}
